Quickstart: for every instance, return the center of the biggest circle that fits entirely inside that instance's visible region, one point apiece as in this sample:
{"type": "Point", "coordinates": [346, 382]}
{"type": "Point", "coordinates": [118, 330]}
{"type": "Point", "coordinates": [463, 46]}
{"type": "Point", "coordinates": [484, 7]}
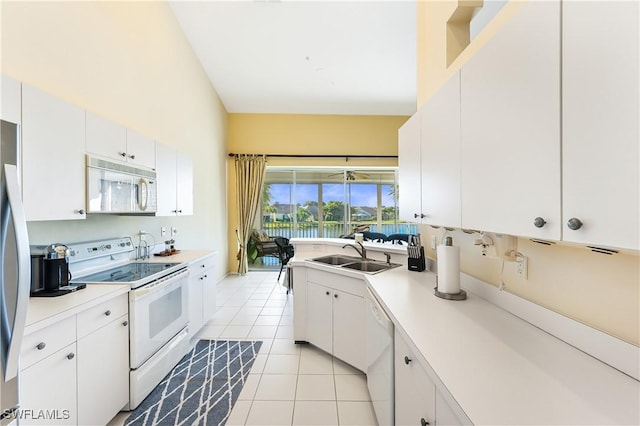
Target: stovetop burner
{"type": "Point", "coordinates": [127, 273]}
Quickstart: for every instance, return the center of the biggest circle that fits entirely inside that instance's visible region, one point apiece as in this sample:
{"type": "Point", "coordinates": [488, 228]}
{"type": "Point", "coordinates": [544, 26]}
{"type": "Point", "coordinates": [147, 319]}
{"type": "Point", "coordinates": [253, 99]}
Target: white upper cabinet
{"type": "Point", "coordinates": [440, 153]}
{"type": "Point", "coordinates": [140, 150]}
{"type": "Point", "coordinates": [600, 132]}
{"type": "Point", "coordinates": [10, 100]}
{"type": "Point", "coordinates": [409, 203]}
{"type": "Point", "coordinates": [184, 184]}
{"type": "Point", "coordinates": [111, 140]}
{"type": "Point", "coordinates": [510, 128]}
{"type": "Point", "coordinates": [174, 174]}
{"type": "Point", "coordinates": [53, 161]}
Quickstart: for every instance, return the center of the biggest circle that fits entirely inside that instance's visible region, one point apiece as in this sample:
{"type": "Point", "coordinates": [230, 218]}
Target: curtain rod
{"type": "Point", "coordinates": [346, 157]}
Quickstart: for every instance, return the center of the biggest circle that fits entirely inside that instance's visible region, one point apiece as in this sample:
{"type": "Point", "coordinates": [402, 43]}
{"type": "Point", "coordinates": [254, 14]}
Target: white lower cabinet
{"type": "Point", "coordinates": [76, 371]}
{"type": "Point", "coordinates": [202, 292]}
{"type": "Point", "coordinates": [419, 402]}
{"type": "Point", "coordinates": [103, 380]}
{"type": "Point", "coordinates": [336, 319]}
{"type": "Point", "coordinates": [48, 390]}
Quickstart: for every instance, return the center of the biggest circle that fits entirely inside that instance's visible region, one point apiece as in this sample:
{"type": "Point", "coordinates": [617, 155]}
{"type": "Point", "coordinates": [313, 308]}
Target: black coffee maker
{"type": "Point", "coordinates": [50, 271]}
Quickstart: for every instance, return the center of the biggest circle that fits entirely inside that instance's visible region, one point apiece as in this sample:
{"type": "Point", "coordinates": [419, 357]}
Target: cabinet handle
{"type": "Point", "coordinates": [132, 156]}
{"type": "Point", "coordinates": [107, 313]}
{"type": "Point", "coordinates": [202, 266]}
{"type": "Point", "coordinates": [71, 355]}
{"type": "Point", "coordinates": [80, 211]}
{"type": "Point", "coordinates": [423, 422]}
{"type": "Point", "coordinates": [422, 215]}
{"type": "Point", "coordinates": [206, 276]}
{"type": "Point", "coordinates": [179, 211]}
{"type": "Point", "coordinates": [335, 295]}
{"type": "Point", "coordinates": [415, 215]}
{"type": "Point", "coordinates": [122, 154]}
{"type": "Point", "coordinates": [407, 360]}
{"type": "Point", "coordinates": [41, 346]}
{"type": "Point", "coordinates": [174, 211]}
{"type": "Point", "coordinates": [125, 323]}
{"type": "Point", "coordinates": [574, 223]}
{"type": "Point", "coordinates": [539, 222]}
{"type": "Point", "coordinates": [327, 293]}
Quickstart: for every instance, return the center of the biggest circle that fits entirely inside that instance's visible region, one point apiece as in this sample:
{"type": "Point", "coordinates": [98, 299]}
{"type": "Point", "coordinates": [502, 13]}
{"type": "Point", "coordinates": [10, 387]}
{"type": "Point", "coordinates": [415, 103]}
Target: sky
{"type": "Point", "coordinates": [361, 194]}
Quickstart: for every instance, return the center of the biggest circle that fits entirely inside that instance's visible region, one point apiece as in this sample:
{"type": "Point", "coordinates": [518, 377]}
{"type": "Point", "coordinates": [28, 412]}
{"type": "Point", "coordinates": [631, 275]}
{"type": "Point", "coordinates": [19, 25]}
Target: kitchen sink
{"type": "Point", "coordinates": [355, 263]}
{"type": "Point", "coordinates": [369, 266]}
{"type": "Point", "coordinates": [336, 259]}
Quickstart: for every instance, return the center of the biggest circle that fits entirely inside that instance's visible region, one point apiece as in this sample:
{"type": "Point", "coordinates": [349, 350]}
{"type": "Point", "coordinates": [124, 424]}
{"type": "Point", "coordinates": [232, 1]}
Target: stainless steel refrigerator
{"type": "Point", "coordinates": [15, 272]}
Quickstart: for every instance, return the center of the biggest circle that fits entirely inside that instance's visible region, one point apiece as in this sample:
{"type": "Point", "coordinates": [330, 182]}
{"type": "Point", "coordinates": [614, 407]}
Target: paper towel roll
{"type": "Point", "coordinates": [359, 237]}
{"type": "Point", "coordinates": [448, 269]}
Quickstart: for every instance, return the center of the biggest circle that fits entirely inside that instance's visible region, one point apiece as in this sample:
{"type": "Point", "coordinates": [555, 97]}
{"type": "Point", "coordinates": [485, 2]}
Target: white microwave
{"type": "Point", "coordinates": [120, 188]}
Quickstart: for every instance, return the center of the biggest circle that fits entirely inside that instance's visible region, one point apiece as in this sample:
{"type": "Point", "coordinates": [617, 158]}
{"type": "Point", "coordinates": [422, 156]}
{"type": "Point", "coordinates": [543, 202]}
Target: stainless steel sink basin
{"type": "Point", "coordinates": [368, 266]}
{"type": "Point", "coordinates": [336, 259]}
{"type": "Point", "coordinates": [355, 263]}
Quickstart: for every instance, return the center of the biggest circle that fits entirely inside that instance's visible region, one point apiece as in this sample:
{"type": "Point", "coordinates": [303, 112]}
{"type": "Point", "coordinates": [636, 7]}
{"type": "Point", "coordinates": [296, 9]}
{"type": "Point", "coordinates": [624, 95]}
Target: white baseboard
{"type": "Point", "coordinates": [617, 353]}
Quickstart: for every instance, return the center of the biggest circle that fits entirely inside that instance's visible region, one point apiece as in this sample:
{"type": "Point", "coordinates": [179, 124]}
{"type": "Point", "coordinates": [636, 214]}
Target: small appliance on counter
{"type": "Point", "coordinates": [448, 277]}
{"type": "Point", "coordinates": [50, 271]}
{"type": "Point", "coordinates": [416, 260]}
{"type": "Point", "coordinates": [169, 248]}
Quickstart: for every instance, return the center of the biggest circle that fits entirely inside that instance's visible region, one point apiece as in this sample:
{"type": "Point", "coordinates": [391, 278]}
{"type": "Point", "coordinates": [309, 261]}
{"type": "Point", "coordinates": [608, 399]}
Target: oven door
{"type": "Point", "coordinates": [157, 311]}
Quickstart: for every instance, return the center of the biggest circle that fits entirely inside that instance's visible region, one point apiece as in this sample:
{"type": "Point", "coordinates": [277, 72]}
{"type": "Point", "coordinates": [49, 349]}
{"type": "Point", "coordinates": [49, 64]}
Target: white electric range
{"type": "Point", "coordinates": [158, 306]}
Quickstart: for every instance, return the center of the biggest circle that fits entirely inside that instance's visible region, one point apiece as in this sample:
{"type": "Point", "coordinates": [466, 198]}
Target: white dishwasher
{"type": "Point", "coordinates": [380, 378]}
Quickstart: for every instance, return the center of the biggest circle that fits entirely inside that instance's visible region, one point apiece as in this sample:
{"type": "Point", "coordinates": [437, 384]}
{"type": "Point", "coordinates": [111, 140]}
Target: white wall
{"type": "Point", "coordinates": [129, 62]}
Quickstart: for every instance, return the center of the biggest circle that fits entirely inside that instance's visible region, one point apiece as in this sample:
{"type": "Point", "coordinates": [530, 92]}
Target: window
{"type": "Point", "coordinates": [329, 203]}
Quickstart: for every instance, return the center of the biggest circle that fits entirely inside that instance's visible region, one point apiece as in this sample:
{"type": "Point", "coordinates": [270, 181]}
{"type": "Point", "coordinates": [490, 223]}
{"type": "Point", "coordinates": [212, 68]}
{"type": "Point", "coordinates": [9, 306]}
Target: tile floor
{"type": "Point", "coordinates": [289, 384]}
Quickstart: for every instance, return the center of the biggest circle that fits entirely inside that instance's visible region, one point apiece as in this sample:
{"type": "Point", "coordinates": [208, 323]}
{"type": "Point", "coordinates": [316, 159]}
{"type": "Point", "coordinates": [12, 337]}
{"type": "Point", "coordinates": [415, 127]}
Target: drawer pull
{"type": "Point", "coordinates": [108, 313]}
{"type": "Point", "coordinates": [41, 346]}
{"type": "Point", "coordinates": [423, 422]}
{"type": "Point", "coordinates": [125, 323]}
{"type": "Point", "coordinates": [327, 293]}
{"type": "Point", "coordinates": [407, 360]}
{"type": "Point", "coordinates": [71, 355]}
{"type": "Point", "coordinates": [335, 295]}
{"type": "Point", "coordinates": [202, 266]}
{"type": "Point", "coordinates": [201, 278]}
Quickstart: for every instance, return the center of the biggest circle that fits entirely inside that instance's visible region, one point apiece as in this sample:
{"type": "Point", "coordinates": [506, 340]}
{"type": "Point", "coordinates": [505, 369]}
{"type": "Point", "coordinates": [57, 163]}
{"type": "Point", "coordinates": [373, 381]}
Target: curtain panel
{"type": "Point", "coordinates": [250, 173]}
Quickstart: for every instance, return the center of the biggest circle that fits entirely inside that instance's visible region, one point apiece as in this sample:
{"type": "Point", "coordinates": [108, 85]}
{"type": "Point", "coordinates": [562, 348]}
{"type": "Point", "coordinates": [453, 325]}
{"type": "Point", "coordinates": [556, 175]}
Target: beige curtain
{"type": "Point", "coordinates": [250, 172]}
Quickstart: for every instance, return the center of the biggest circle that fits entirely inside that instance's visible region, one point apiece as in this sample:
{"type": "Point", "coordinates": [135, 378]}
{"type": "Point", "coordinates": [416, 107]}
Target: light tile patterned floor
{"type": "Point", "coordinates": [289, 384]}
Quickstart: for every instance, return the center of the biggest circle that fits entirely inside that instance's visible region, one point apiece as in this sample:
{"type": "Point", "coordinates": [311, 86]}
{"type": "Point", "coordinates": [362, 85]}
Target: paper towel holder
{"type": "Point", "coordinates": [462, 295]}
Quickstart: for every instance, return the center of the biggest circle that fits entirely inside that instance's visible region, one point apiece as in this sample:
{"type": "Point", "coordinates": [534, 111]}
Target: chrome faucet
{"type": "Point", "coordinates": [362, 251]}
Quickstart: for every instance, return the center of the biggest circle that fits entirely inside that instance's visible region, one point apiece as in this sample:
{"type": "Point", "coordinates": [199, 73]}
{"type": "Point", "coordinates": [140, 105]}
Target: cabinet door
{"type": "Point", "coordinates": [350, 329]}
{"type": "Point", "coordinates": [105, 138]}
{"type": "Point", "coordinates": [600, 128]}
{"type": "Point", "coordinates": [103, 373]}
{"type": "Point", "coordinates": [48, 390]}
{"type": "Point", "coordinates": [409, 176]}
{"type": "Point", "coordinates": [196, 297]}
{"type": "Point", "coordinates": [141, 150]}
{"type": "Point", "coordinates": [209, 294]}
{"type": "Point", "coordinates": [445, 416]}
{"type": "Point", "coordinates": [415, 391]}
{"type": "Point", "coordinates": [510, 118]}
{"type": "Point", "coordinates": [53, 163]}
{"type": "Point", "coordinates": [166, 180]}
{"type": "Point", "coordinates": [440, 135]}
{"type": "Point", "coordinates": [10, 103]}
{"type": "Point", "coordinates": [319, 317]}
{"type": "Point", "coordinates": [184, 168]}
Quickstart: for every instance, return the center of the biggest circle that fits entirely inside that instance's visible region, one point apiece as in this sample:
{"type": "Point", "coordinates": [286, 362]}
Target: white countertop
{"type": "Point", "coordinates": [44, 311]}
{"type": "Point", "coordinates": [499, 368]}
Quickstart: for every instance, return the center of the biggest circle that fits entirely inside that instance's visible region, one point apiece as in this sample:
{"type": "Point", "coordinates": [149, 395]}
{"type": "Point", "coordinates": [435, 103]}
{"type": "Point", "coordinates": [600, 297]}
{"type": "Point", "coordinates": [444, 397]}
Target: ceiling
{"type": "Point", "coordinates": [306, 57]}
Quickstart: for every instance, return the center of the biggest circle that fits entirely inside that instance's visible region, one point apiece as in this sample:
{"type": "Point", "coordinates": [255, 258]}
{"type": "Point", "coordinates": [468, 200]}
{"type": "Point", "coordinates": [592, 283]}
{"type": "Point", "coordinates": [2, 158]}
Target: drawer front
{"type": "Point", "coordinates": [201, 265]}
{"type": "Point", "coordinates": [42, 343]}
{"type": "Point", "coordinates": [102, 314]}
{"type": "Point", "coordinates": [337, 282]}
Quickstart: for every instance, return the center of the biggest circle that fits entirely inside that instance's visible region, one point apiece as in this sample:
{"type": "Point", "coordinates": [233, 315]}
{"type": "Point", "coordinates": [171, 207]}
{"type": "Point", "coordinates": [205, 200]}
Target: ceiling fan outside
{"type": "Point", "coordinates": [351, 175]}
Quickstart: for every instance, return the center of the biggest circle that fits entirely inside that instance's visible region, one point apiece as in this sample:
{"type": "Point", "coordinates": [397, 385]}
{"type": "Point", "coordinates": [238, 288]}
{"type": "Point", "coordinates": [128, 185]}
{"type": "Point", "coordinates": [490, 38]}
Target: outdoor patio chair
{"type": "Point", "coordinates": [374, 236]}
{"type": "Point", "coordinates": [402, 239]}
{"type": "Point", "coordinates": [264, 244]}
{"type": "Point", "coordinates": [285, 252]}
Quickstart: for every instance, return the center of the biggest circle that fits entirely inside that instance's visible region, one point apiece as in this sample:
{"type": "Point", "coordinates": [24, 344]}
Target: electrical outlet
{"type": "Point", "coordinates": [174, 231]}
{"type": "Point", "coordinates": [433, 242]}
{"type": "Point", "coordinates": [521, 266]}
{"type": "Point", "coordinates": [163, 231]}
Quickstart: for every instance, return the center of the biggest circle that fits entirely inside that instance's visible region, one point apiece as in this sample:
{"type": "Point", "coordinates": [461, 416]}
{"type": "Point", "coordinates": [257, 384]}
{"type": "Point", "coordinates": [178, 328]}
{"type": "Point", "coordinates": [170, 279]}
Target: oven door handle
{"type": "Point", "coordinates": [158, 285]}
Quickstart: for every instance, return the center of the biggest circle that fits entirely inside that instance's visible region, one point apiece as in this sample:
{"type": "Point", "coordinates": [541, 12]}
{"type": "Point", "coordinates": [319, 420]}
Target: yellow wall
{"type": "Point", "coordinates": [308, 135]}
{"type": "Point", "coordinates": [129, 62]}
{"type": "Point", "coordinates": [598, 290]}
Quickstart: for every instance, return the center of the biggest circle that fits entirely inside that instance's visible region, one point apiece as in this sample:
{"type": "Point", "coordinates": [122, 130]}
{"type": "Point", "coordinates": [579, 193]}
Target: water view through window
{"type": "Point", "coordinates": [330, 203]}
